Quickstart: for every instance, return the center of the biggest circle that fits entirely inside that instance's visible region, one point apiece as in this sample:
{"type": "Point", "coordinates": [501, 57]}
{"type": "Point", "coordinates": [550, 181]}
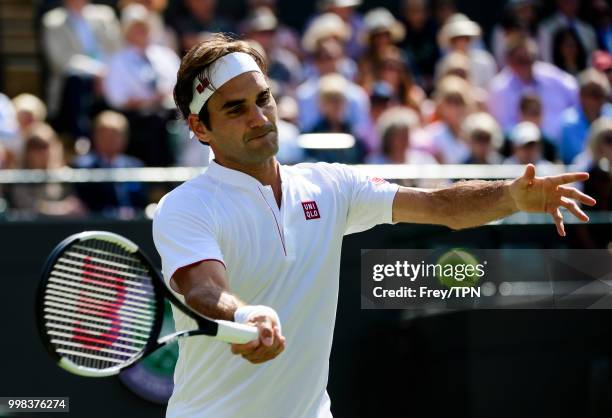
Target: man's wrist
{"type": "Point", "coordinates": [244, 313]}
{"type": "Point", "coordinates": [508, 197]}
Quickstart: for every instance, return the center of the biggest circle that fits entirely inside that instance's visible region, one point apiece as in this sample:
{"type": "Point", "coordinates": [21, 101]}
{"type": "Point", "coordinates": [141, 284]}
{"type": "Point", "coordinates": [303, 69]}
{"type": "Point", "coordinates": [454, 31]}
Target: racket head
{"type": "Point", "coordinates": [100, 304]}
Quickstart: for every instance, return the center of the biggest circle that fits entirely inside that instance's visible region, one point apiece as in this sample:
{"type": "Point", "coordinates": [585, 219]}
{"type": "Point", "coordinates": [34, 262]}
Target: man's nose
{"type": "Point", "coordinates": [257, 117]}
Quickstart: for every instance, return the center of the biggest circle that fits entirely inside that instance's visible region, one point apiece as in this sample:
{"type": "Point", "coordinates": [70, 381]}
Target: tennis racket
{"type": "Point", "coordinates": [100, 306]}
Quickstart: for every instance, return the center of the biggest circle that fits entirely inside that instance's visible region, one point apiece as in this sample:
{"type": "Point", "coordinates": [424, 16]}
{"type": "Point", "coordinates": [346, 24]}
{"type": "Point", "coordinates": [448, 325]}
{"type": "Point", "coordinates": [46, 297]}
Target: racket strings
{"type": "Point", "coordinates": [99, 305]}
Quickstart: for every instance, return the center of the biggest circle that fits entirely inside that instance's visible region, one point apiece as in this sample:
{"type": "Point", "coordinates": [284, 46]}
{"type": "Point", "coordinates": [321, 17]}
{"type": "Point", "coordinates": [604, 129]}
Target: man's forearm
{"type": "Point", "coordinates": [473, 203]}
{"type": "Point", "coordinates": [213, 302]}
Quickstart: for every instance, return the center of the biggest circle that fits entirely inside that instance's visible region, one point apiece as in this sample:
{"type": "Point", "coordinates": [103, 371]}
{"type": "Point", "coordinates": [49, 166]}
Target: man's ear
{"type": "Point", "coordinates": [198, 128]}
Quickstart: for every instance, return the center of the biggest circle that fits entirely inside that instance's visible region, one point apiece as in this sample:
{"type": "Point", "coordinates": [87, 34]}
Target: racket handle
{"type": "Point", "coordinates": [235, 333]}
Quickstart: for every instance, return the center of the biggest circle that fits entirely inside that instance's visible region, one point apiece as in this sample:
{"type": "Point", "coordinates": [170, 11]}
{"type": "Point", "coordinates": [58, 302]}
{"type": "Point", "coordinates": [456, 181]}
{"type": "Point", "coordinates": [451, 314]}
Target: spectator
{"type": "Point", "coordinates": [459, 65]}
{"type": "Point", "coordinates": [43, 151]}
{"type": "Point", "coordinates": [575, 122]}
{"type": "Point", "coordinates": [346, 10]}
{"type": "Point", "coordinates": [328, 30]}
{"type": "Point", "coordinates": [530, 110]}
{"type": "Point", "coordinates": [197, 21]}
{"type": "Point", "coordinates": [333, 119]}
{"type": "Point", "coordinates": [286, 37]}
{"type": "Point", "coordinates": [395, 127]}
{"type": "Point", "coordinates": [329, 58]}
{"type": "Point", "coordinates": [457, 35]}
{"type": "Point", "coordinates": [420, 44]}
{"type": "Point", "coordinates": [484, 138]}
{"type": "Point", "coordinates": [566, 16]}
{"type": "Point", "coordinates": [77, 40]}
{"type": "Point", "coordinates": [381, 34]}
{"type": "Point", "coordinates": [109, 144]}
{"type": "Point", "coordinates": [29, 111]}
{"type": "Point", "coordinates": [283, 66]}
{"type": "Point", "coordinates": [519, 17]}
{"type": "Point", "coordinates": [599, 184]}
{"type": "Point", "coordinates": [161, 34]}
{"type": "Point", "coordinates": [139, 82]}
{"type": "Point", "coordinates": [557, 89]}
{"type": "Point", "coordinates": [568, 52]}
{"type": "Point", "coordinates": [526, 145]}
{"type": "Point", "coordinates": [453, 103]}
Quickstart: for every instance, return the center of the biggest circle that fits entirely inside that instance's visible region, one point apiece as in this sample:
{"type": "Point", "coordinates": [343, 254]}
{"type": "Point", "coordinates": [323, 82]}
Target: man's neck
{"type": "Point", "coordinates": [266, 173]}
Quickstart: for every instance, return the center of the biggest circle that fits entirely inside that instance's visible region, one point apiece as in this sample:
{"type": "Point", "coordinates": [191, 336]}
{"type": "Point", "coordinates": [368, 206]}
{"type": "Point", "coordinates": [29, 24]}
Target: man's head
{"type": "Point", "coordinates": [332, 99]}
{"type": "Point", "coordinates": [521, 53]}
{"type": "Point", "coordinates": [238, 116]}
{"type": "Point", "coordinates": [600, 139]}
{"type": "Point", "coordinates": [482, 134]}
{"type": "Point", "coordinates": [594, 89]}
{"type": "Point", "coordinates": [110, 134]}
{"type": "Point", "coordinates": [530, 108]}
{"type": "Point", "coordinates": [526, 143]}
{"type": "Point", "coordinates": [135, 22]}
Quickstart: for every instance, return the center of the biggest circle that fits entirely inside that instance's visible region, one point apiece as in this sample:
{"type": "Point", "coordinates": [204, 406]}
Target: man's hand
{"type": "Point", "coordinates": [547, 194]}
{"type": "Point", "coordinates": [269, 345]}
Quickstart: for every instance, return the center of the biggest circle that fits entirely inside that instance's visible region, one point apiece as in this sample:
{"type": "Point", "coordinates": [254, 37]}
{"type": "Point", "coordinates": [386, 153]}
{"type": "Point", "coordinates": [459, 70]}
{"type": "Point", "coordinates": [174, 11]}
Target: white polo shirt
{"type": "Point", "coordinates": [287, 258]}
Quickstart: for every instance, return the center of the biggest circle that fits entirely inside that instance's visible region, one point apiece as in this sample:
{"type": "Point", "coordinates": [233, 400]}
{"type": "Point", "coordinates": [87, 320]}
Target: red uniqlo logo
{"type": "Point", "coordinates": [311, 211]}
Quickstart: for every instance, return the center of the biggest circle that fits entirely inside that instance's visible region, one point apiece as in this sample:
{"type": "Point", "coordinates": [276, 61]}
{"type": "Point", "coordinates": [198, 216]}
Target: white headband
{"type": "Point", "coordinates": [217, 74]}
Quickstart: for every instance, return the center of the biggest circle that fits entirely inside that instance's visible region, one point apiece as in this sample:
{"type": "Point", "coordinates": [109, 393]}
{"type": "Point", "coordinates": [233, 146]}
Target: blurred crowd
{"type": "Point", "coordinates": [419, 84]}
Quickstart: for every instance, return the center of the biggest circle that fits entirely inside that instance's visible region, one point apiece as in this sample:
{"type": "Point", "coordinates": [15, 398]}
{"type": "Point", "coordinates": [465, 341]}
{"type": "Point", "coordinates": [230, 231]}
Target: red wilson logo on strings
{"type": "Point", "coordinates": [311, 211]}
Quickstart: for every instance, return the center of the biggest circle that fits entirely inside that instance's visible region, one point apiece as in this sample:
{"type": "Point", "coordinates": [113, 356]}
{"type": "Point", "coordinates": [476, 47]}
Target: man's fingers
{"type": "Point", "coordinates": [265, 353]}
{"type": "Point", "coordinates": [577, 195]}
{"type": "Point", "coordinates": [558, 218]}
{"type": "Point", "coordinates": [568, 178]}
{"type": "Point", "coordinates": [245, 348]}
{"type": "Point", "coordinates": [529, 172]}
{"type": "Point", "coordinates": [573, 207]}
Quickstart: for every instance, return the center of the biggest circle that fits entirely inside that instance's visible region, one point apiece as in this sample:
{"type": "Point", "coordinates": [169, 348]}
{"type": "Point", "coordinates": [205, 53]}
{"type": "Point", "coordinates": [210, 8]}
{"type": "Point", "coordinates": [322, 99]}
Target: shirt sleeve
{"type": "Point", "coordinates": [183, 237]}
{"type": "Point", "coordinates": [370, 199]}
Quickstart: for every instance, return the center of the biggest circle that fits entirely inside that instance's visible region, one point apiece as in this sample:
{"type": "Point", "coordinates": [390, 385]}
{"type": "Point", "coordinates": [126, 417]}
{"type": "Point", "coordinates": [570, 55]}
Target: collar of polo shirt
{"type": "Point", "coordinates": [217, 74]}
{"type": "Point", "coordinates": [235, 177]}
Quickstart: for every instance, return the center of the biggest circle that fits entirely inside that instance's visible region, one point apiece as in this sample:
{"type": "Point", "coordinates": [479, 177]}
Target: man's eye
{"type": "Point", "coordinates": [264, 100]}
{"type": "Point", "coordinates": [235, 110]}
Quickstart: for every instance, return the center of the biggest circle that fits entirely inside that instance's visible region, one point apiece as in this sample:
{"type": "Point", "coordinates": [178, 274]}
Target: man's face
{"type": "Point", "coordinates": [243, 119]}
{"type": "Point", "coordinates": [109, 141]}
{"type": "Point", "coordinates": [528, 153]}
{"type": "Point", "coordinates": [592, 99]}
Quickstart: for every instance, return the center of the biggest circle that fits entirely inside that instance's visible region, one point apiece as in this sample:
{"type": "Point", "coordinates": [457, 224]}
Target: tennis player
{"type": "Point", "coordinates": [259, 243]}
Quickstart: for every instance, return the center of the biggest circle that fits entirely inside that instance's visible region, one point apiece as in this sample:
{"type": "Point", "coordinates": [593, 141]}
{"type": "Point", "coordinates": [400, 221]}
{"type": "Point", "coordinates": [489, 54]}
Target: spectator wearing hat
{"type": "Point", "coordinates": [565, 16]}
{"type": "Point", "coordinates": [328, 31]}
{"type": "Point", "coordinates": [347, 11]}
{"type": "Point", "coordinates": [526, 142]}
{"type": "Point", "coordinates": [523, 74]}
{"type": "Point", "coordinates": [395, 127]}
{"type": "Point", "coordinates": [457, 35]}
{"type": "Point", "coordinates": [484, 138]}
{"type": "Point", "coordinates": [519, 16]}
{"type": "Point", "coordinates": [383, 60]}
{"type": "Point", "coordinates": [161, 33]}
{"type": "Point", "coordinates": [139, 83]}
{"type": "Point", "coordinates": [29, 112]}
{"type": "Point", "coordinates": [575, 121]}
{"type": "Point", "coordinates": [458, 64]}
{"type": "Point", "coordinates": [327, 52]}
{"type": "Point", "coordinates": [286, 36]}
{"type": "Point", "coordinates": [420, 44]}
{"type": "Point", "coordinates": [333, 118]}
{"type": "Point", "coordinates": [283, 66]}
{"type": "Point", "coordinates": [454, 102]}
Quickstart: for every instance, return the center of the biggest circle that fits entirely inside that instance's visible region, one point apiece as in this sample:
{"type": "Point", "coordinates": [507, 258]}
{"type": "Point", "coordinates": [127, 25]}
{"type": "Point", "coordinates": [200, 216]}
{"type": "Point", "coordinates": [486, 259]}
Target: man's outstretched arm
{"type": "Point", "coordinates": [473, 203]}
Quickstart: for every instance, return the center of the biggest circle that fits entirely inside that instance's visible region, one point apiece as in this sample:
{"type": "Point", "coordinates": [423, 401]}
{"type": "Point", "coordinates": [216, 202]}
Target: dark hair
{"type": "Point", "coordinates": [559, 36]}
{"type": "Point", "coordinates": [528, 100]}
{"type": "Point", "coordinates": [198, 59]}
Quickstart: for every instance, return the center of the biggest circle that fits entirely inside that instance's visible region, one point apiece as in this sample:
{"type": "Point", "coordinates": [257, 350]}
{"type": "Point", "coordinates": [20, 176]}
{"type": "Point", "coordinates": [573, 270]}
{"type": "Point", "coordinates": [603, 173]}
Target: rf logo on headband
{"type": "Point", "coordinates": [204, 82]}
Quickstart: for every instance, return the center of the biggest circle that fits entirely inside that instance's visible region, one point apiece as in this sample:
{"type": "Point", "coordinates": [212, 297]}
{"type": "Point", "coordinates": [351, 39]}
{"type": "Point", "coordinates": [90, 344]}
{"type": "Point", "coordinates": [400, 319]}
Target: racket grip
{"type": "Point", "coordinates": [236, 333]}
